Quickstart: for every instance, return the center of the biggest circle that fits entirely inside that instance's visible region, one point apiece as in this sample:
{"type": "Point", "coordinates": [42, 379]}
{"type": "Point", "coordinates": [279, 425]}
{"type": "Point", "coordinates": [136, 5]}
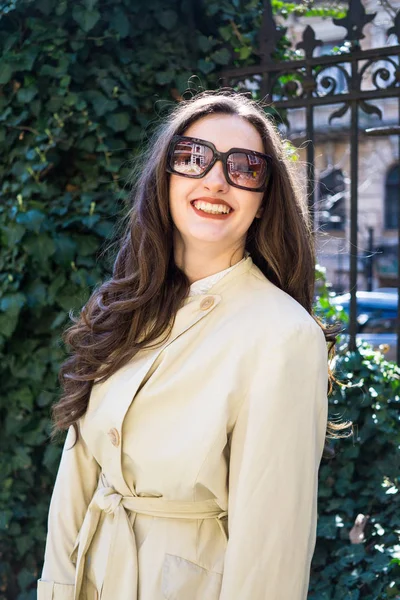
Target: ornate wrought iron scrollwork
{"type": "Point", "coordinates": [390, 76]}
{"type": "Point", "coordinates": [329, 82]}
{"type": "Point", "coordinates": [290, 84]}
{"type": "Point", "coordinates": [296, 83]}
{"type": "Point", "coordinates": [340, 112]}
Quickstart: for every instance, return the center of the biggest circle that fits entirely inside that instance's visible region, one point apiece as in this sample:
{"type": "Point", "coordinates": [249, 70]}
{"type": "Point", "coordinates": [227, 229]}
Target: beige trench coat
{"type": "Point", "coordinates": [195, 477]}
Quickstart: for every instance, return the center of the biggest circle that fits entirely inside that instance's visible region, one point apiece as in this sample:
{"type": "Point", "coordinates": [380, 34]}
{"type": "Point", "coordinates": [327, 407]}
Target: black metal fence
{"type": "Point", "coordinates": [338, 79]}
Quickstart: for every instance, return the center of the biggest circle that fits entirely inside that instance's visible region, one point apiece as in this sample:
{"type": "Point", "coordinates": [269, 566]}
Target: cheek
{"type": "Point", "coordinates": [251, 204]}
{"type": "Point", "coordinates": [179, 188]}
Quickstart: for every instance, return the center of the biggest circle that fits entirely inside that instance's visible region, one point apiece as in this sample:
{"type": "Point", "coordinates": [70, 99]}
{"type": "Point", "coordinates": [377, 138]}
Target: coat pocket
{"type": "Point", "coordinates": [184, 580]}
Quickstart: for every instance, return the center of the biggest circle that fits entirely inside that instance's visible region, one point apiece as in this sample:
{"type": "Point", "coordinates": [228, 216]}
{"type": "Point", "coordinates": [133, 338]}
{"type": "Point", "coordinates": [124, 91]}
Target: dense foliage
{"type": "Point", "coordinates": [363, 478]}
{"type": "Point", "coordinates": [80, 85]}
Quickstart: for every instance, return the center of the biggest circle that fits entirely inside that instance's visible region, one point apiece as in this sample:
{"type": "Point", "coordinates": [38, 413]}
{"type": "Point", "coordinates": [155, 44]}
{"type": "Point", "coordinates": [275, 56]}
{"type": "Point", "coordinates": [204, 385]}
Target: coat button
{"type": "Point", "coordinates": [207, 303]}
{"type": "Point", "coordinates": [114, 436]}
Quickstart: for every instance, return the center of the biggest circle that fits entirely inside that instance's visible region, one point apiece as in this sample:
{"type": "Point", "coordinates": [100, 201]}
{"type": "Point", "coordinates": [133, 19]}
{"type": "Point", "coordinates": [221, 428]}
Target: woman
{"type": "Point", "coordinates": [196, 393]}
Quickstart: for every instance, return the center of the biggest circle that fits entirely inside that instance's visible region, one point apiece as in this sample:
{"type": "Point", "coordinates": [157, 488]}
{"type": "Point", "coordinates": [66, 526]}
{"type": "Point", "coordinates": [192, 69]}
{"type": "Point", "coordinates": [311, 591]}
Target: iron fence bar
{"type": "Point", "coordinates": [325, 60]}
{"type": "Point", "coordinates": [353, 216]}
{"type": "Point", "coordinates": [339, 98]}
{"type": "Point", "coordinates": [310, 165]}
{"type": "Point", "coordinates": [393, 130]}
{"type": "Point", "coordinates": [310, 153]}
{"type": "Point", "coordinates": [335, 99]}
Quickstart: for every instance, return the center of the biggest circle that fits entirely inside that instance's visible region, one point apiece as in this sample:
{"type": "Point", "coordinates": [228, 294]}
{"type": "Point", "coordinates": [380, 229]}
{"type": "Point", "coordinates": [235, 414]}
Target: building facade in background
{"type": "Point", "coordinates": [379, 188]}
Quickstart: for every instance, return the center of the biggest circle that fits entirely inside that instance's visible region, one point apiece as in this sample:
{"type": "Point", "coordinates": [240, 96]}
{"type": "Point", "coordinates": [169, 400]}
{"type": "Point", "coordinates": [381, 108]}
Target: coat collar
{"type": "Point", "coordinates": [229, 280]}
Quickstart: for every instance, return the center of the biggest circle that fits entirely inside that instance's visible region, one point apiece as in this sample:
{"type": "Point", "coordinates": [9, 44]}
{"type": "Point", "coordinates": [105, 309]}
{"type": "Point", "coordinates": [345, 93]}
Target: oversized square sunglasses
{"type": "Point", "coordinates": [244, 169]}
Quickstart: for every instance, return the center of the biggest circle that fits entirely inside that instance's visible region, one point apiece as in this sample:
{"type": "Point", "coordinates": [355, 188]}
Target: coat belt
{"type": "Point", "coordinates": [122, 564]}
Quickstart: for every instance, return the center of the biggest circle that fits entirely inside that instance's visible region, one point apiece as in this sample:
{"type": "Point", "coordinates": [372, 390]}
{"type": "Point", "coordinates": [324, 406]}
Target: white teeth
{"type": "Point", "coordinates": [215, 209]}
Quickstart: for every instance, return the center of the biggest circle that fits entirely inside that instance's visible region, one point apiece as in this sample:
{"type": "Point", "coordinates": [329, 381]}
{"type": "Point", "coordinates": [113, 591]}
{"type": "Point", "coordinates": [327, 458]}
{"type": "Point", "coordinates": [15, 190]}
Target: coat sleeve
{"type": "Point", "coordinates": [276, 448]}
{"type": "Point", "coordinates": [75, 485]}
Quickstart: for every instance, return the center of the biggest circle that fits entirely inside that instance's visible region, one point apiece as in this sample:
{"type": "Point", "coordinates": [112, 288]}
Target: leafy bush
{"type": "Point", "coordinates": [363, 478]}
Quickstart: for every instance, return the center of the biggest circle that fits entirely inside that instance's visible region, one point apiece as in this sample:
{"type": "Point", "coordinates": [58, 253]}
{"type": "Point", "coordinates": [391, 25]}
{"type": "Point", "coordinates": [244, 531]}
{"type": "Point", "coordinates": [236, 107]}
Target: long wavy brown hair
{"type": "Point", "coordinates": [137, 306]}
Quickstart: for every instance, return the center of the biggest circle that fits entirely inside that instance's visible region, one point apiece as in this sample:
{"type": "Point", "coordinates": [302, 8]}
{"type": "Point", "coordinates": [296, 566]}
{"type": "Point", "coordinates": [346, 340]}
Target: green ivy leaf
{"type": "Point", "coordinates": [27, 57]}
{"type": "Point", "coordinates": [5, 519]}
{"type": "Point", "coordinates": [32, 220]}
{"type": "Point", "coordinates": [41, 247]}
{"type": "Point", "coordinates": [8, 323]}
{"type": "Point", "coordinates": [221, 57]}
{"type": "Point", "coordinates": [71, 297]}
{"type": "Point", "coordinates": [12, 234]}
{"type": "Point", "coordinates": [25, 578]}
{"type": "Point", "coordinates": [100, 102]}
{"type": "Point", "coordinates": [12, 303]}
{"type": "Point", "coordinates": [85, 18]}
{"type": "Point", "coordinates": [205, 43]}
{"type": "Point", "coordinates": [134, 133]}
{"type": "Point", "coordinates": [51, 457]}
{"type": "Point", "coordinates": [6, 72]}
{"type": "Point", "coordinates": [36, 294]}
{"type": "Point", "coordinates": [245, 52]}
{"type": "Point", "coordinates": [61, 7]}
{"type": "Point", "coordinates": [26, 94]}
{"type": "Point", "coordinates": [205, 66]}
{"type": "Point", "coordinates": [120, 23]}
{"type": "Point", "coordinates": [21, 458]}
{"type": "Point", "coordinates": [164, 77]}
{"type": "Point", "coordinates": [118, 121]}
{"type": "Point", "coordinates": [167, 18]}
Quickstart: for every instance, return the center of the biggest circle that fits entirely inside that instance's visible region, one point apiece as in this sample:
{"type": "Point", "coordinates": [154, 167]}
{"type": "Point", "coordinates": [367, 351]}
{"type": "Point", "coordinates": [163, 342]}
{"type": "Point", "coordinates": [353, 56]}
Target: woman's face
{"type": "Point", "coordinates": [196, 227]}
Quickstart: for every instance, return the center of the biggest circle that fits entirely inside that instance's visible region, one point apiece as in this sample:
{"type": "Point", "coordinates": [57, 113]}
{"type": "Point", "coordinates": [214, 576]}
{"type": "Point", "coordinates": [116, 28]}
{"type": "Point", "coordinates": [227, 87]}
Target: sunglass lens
{"type": "Point", "coordinates": [247, 170]}
{"type": "Point", "coordinates": [190, 158]}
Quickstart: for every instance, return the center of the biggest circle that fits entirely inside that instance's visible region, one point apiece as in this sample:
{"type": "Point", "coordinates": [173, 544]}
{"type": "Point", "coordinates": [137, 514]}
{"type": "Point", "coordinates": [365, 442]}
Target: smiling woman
{"type": "Point", "coordinates": [213, 209]}
{"type": "Point", "coordinates": [195, 396]}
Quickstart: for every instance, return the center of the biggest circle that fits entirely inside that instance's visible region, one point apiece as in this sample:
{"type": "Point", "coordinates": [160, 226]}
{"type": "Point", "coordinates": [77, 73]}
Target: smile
{"type": "Point", "coordinates": [208, 208]}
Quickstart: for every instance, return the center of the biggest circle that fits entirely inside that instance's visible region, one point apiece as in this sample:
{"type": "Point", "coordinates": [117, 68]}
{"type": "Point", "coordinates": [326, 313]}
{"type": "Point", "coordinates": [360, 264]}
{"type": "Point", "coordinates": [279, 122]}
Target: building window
{"type": "Point", "coordinates": [392, 198]}
{"type": "Point", "coordinates": [331, 200]}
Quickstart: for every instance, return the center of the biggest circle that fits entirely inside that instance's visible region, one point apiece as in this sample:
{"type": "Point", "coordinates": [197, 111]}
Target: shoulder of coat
{"type": "Point", "coordinates": [273, 308]}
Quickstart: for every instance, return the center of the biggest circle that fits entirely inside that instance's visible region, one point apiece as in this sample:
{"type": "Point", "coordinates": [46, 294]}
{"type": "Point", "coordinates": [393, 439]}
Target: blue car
{"type": "Point", "coordinates": [377, 314]}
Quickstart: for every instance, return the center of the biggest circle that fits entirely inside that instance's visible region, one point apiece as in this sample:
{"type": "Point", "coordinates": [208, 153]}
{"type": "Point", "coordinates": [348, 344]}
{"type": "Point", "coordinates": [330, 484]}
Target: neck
{"type": "Point", "coordinates": [198, 263]}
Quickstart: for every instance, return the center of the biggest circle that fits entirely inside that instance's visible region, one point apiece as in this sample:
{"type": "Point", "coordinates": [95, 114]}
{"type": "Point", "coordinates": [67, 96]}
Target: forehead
{"type": "Point", "coordinates": [226, 131]}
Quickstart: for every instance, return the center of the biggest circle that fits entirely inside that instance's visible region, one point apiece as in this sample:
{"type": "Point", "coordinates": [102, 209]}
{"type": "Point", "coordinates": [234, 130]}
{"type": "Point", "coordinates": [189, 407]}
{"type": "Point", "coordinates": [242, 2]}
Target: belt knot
{"type": "Point", "coordinates": [107, 499]}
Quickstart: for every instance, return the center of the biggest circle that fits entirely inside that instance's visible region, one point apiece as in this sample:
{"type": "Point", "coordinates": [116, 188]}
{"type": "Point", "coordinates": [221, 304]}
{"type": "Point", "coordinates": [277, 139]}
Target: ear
{"type": "Point", "coordinates": [259, 213]}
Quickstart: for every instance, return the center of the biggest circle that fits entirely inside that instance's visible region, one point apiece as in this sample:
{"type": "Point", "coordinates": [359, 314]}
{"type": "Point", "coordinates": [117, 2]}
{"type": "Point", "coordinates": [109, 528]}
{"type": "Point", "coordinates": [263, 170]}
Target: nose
{"type": "Point", "coordinates": [215, 180]}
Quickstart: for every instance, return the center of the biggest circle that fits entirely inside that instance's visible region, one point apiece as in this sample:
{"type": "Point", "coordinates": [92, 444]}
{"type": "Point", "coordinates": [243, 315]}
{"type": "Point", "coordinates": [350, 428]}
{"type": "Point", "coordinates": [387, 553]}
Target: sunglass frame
{"type": "Point", "coordinates": [223, 157]}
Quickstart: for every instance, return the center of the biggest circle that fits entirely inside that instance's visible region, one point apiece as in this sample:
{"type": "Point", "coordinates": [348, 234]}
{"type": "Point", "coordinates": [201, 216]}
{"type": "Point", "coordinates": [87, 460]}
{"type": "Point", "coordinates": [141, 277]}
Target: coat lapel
{"type": "Point", "coordinates": [186, 317]}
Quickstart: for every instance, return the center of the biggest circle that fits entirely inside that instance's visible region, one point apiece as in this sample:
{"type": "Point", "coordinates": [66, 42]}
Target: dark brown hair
{"type": "Point", "coordinates": [138, 304]}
